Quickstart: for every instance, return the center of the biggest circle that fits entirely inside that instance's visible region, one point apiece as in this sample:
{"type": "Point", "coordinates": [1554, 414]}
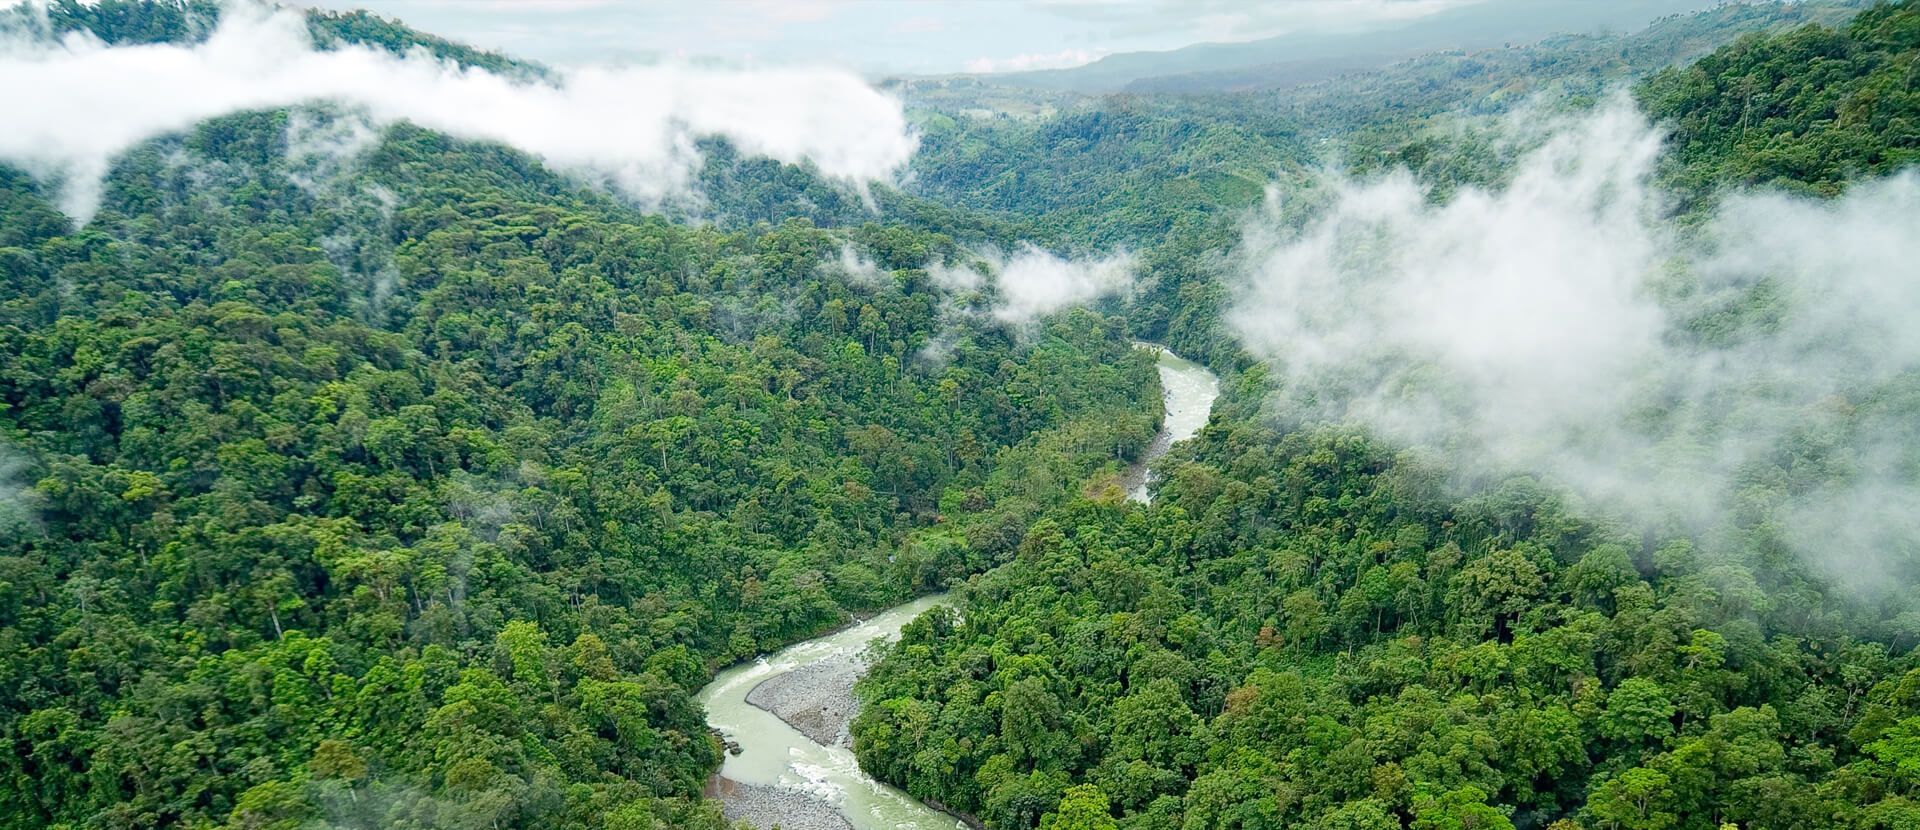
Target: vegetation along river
{"type": "Point", "coordinates": [788, 713]}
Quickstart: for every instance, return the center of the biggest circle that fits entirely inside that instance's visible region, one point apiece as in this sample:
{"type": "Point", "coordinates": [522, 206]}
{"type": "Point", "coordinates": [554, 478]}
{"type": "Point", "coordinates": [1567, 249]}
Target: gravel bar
{"type": "Point", "coordinates": [768, 807]}
{"type": "Point", "coordinates": [816, 699]}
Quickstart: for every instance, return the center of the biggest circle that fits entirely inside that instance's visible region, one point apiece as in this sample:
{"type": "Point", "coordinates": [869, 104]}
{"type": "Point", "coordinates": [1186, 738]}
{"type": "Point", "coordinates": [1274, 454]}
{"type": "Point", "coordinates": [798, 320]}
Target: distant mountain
{"type": "Point", "coordinates": [1304, 57]}
{"type": "Point", "coordinates": [1496, 71]}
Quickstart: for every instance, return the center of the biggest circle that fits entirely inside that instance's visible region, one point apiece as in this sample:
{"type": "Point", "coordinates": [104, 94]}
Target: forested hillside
{"type": "Point", "coordinates": [1810, 109]}
{"type": "Point", "coordinates": [421, 490]}
{"type": "Point", "coordinates": [1314, 628]}
{"type": "Point", "coordinates": [1293, 57]}
{"type": "Point", "coordinates": [1172, 175]}
{"type": "Point", "coordinates": [122, 22]}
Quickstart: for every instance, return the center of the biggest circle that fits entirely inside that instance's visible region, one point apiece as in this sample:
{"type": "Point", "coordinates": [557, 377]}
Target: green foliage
{"type": "Point", "coordinates": [1082, 808]}
{"type": "Point", "coordinates": [1305, 631]}
{"type": "Point", "coordinates": [424, 495]}
{"type": "Point", "coordinates": [1171, 176]}
{"type": "Point", "coordinates": [1808, 109]}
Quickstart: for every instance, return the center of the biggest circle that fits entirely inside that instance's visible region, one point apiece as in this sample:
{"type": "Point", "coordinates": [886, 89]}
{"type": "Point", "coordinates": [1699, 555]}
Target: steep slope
{"type": "Point", "coordinates": [1810, 109]}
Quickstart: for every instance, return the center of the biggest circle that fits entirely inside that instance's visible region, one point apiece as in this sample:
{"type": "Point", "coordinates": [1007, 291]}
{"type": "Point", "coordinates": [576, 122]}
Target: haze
{"type": "Point", "coordinates": [887, 37]}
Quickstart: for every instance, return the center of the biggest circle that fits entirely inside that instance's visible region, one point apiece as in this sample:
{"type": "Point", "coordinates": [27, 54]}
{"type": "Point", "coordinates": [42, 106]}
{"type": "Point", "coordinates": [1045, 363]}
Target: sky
{"type": "Point", "coordinates": [876, 36]}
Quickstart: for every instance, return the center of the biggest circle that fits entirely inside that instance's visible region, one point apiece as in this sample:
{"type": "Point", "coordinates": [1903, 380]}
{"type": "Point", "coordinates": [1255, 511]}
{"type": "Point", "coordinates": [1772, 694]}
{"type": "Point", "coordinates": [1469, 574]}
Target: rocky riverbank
{"type": "Point", "coordinates": [1136, 480]}
{"type": "Point", "coordinates": [816, 699]}
{"type": "Point", "coordinates": [790, 728]}
{"type": "Point", "coordinates": [765, 807]}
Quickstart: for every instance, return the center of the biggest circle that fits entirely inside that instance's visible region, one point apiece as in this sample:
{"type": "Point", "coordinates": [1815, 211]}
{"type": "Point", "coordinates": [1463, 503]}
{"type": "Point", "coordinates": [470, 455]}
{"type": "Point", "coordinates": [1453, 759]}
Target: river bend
{"type": "Point", "coordinates": [784, 775]}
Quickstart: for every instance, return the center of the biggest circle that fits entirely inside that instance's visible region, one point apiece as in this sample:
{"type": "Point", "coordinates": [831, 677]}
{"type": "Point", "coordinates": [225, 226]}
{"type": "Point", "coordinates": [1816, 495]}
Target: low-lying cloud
{"type": "Point", "coordinates": [1758, 370]}
{"type": "Point", "coordinates": [19, 502]}
{"type": "Point", "coordinates": [1033, 282]}
{"type": "Point", "coordinates": [987, 287]}
{"type": "Point", "coordinates": [75, 104]}
{"type": "Point", "coordinates": [1063, 59]}
{"type": "Point", "coordinates": [857, 269]}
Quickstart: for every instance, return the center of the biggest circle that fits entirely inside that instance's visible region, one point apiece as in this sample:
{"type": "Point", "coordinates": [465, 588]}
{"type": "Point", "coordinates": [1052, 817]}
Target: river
{"type": "Point", "coordinates": [782, 775]}
{"type": "Point", "coordinates": [1190, 390]}
{"type": "Point", "coordinates": [775, 755]}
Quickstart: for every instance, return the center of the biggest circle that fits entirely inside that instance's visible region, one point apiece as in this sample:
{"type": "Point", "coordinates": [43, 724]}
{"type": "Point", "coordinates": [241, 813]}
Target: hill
{"type": "Point", "coordinates": [1316, 55]}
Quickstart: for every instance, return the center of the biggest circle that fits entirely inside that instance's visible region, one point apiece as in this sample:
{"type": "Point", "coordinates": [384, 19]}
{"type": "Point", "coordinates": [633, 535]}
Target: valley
{"type": "Point", "coordinates": [1337, 416]}
{"type": "Point", "coordinates": [796, 738]}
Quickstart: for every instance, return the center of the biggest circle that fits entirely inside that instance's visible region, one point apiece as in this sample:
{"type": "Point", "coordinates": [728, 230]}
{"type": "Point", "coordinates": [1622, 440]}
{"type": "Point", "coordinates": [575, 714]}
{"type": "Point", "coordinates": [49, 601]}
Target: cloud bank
{"type": "Point", "coordinates": [75, 104]}
{"type": "Point", "coordinates": [1757, 371]}
{"type": "Point", "coordinates": [1237, 20]}
{"type": "Point", "coordinates": [1063, 59]}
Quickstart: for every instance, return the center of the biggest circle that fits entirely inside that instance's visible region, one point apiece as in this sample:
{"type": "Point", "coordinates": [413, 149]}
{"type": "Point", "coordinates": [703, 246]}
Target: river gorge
{"type": "Point", "coordinates": [788, 713]}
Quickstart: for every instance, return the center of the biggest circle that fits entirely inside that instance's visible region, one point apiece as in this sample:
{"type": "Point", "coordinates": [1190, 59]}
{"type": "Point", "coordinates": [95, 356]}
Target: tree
{"type": "Point", "coordinates": [1633, 800]}
{"type": "Point", "coordinates": [1460, 809]}
{"type": "Point", "coordinates": [1638, 711]}
{"type": "Point", "coordinates": [1899, 749]}
{"type": "Point", "coordinates": [1082, 807]}
{"type": "Point", "coordinates": [1305, 618]}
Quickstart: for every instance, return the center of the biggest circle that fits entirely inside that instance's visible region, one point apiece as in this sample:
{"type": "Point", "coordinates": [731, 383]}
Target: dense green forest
{"type": "Point", "coordinates": [423, 490]}
{"type": "Point", "coordinates": [475, 522]}
{"type": "Point", "coordinates": [1312, 629]}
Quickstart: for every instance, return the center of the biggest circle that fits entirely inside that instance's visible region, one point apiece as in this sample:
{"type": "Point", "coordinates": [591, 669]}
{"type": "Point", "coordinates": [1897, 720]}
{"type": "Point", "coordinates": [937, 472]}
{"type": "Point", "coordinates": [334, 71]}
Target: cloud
{"type": "Point", "coordinates": [19, 502]}
{"type": "Point", "coordinates": [522, 5]}
{"type": "Point", "coordinates": [1563, 325]}
{"type": "Point", "coordinates": [320, 147]}
{"type": "Point", "coordinates": [988, 286]}
{"type": "Point", "coordinates": [857, 268]}
{"type": "Point", "coordinates": [796, 11]}
{"type": "Point", "coordinates": [1033, 283]}
{"type": "Point", "coordinates": [75, 104]}
{"type": "Point", "coordinates": [1063, 59]}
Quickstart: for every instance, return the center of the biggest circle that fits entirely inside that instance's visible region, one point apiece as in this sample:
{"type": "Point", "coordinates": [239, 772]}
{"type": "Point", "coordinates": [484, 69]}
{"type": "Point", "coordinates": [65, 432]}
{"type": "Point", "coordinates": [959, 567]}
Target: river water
{"type": "Point", "coordinates": [1190, 391]}
{"type": "Point", "coordinates": [775, 755]}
